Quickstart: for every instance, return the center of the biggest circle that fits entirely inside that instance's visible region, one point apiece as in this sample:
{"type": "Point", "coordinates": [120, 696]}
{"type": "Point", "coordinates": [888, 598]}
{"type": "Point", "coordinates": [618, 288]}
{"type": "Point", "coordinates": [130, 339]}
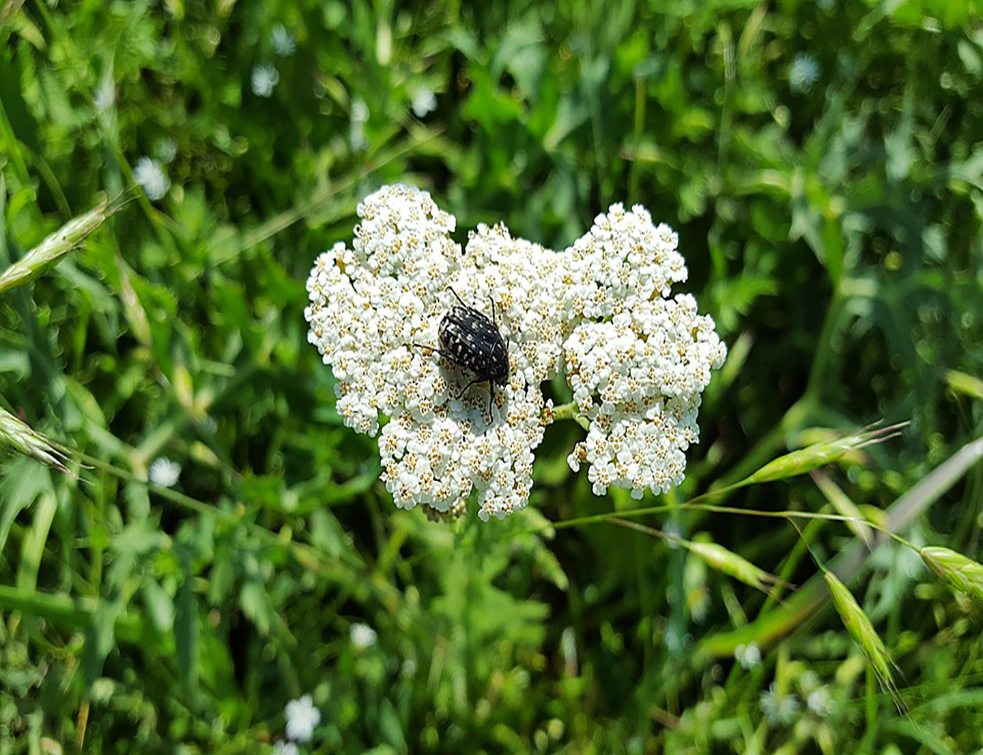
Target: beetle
{"type": "Point", "coordinates": [470, 339]}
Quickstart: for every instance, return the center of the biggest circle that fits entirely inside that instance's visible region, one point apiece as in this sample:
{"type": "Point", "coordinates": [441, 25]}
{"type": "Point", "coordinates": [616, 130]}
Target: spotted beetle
{"type": "Point", "coordinates": [469, 339]}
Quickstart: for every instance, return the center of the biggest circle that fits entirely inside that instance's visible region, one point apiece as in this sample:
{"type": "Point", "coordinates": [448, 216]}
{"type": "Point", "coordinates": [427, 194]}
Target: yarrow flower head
{"type": "Point", "coordinates": [302, 717]}
{"type": "Point", "coordinates": [636, 360]}
{"type": "Point", "coordinates": [151, 177]}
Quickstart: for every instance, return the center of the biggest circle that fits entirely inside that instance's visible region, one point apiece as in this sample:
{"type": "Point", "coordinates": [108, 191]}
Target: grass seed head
{"type": "Point", "coordinates": [863, 633]}
{"type": "Point", "coordinates": [21, 438]}
{"type": "Point", "coordinates": [719, 558]}
{"type": "Point", "coordinates": [955, 569]}
{"type": "Point", "coordinates": [817, 455]}
{"type": "Point", "coordinates": [50, 251]}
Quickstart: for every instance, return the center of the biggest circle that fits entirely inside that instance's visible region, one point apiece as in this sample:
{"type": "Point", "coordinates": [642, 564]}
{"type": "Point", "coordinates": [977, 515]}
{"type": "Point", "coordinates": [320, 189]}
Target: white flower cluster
{"type": "Point", "coordinates": [636, 361]}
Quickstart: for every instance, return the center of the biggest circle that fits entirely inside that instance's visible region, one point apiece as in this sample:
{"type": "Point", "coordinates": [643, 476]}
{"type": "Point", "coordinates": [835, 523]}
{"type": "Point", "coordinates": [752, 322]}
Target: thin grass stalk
{"type": "Point", "coordinates": [844, 506]}
{"type": "Point", "coordinates": [715, 556]}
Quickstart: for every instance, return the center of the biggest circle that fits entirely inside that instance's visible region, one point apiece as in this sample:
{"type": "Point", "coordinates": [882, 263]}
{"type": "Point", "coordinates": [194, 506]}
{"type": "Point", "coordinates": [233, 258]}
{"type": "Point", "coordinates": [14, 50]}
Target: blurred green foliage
{"type": "Point", "coordinates": [822, 164]}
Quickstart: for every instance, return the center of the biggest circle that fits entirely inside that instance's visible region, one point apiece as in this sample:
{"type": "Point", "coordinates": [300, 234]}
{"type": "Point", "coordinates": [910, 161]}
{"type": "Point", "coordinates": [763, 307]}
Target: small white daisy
{"type": "Point", "coordinates": [283, 40]}
{"type": "Point", "coordinates": [151, 178]}
{"type": "Point", "coordinates": [803, 73]}
{"type": "Point", "coordinates": [363, 636]}
{"type": "Point", "coordinates": [779, 707]}
{"type": "Point", "coordinates": [423, 102]}
{"type": "Point", "coordinates": [166, 150]}
{"type": "Point", "coordinates": [302, 717]}
{"type": "Point", "coordinates": [748, 656]}
{"type": "Point", "coordinates": [265, 78]}
{"type": "Point", "coordinates": [821, 702]}
{"type": "Point", "coordinates": [164, 472]}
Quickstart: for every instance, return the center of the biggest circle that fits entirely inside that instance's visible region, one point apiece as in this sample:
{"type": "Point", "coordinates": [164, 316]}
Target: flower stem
{"type": "Point", "coordinates": [569, 411]}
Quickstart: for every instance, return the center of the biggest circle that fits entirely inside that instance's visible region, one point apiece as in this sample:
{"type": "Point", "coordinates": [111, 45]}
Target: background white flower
{"type": "Point", "coordinates": [636, 361]}
{"type": "Point", "coordinates": [283, 40]}
{"type": "Point", "coordinates": [363, 636]}
{"type": "Point", "coordinates": [803, 73]}
{"type": "Point", "coordinates": [821, 702]}
{"type": "Point", "coordinates": [165, 150]}
{"type": "Point", "coordinates": [164, 472]}
{"type": "Point", "coordinates": [104, 96]}
{"type": "Point", "coordinates": [748, 656]}
{"type": "Point", "coordinates": [149, 174]}
{"type": "Point", "coordinates": [302, 717]}
{"type": "Point", "coordinates": [264, 80]}
{"type": "Point", "coordinates": [423, 102]}
{"type": "Point", "coordinates": [285, 748]}
{"type": "Point", "coordinates": [780, 708]}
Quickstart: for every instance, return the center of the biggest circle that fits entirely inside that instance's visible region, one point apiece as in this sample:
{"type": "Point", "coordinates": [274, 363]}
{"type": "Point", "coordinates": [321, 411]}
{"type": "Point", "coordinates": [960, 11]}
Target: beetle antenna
{"type": "Point", "coordinates": [457, 297]}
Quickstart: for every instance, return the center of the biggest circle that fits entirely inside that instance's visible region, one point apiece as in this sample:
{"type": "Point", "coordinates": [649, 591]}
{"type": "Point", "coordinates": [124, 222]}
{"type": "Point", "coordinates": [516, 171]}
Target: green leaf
{"type": "Point", "coordinates": [255, 604]}
{"type": "Point", "coordinates": [100, 636]}
{"type": "Point", "coordinates": [160, 607]}
{"type": "Point", "coordinates": [24, 480]}
{"type": "Point", "coordinates": [390, 725]}
{"type": "Point", "coordinates": [186, 633]}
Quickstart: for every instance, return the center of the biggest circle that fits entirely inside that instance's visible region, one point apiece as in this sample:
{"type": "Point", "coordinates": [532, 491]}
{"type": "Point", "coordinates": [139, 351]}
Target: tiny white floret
{"type": "Point", "coordinates": [151, 177]}
{"type": "Point", "coordinates": [264, 80]}
{"type": "Point", "coordinates": [748, 656]}
{"type": "Point", "coordinates": [164, 472]}
{"type": "Point", "coordinates": [302, 717]}
{"type": "Point", "coordinates": [363, 636]}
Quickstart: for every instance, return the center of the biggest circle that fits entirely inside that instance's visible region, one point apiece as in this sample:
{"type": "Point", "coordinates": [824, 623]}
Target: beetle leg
{"type": "Point", "coordinates": [449, 357]}
{"type": "Point", "coordinates": [468, 386]}
{"type": "Point", "coordinates": [494, 317]}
